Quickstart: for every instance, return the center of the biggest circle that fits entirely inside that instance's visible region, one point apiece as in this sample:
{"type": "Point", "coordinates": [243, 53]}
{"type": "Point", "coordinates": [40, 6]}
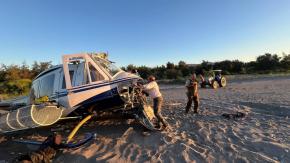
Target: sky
{"type": "Point", "coordinates": [143, 32]}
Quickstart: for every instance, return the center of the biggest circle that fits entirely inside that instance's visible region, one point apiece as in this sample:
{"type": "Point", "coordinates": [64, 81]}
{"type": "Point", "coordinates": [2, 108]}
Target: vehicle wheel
{"type": "Point", "coordinates": [223, 82]}
{"type": "Point", "coordinates": [215, 84]}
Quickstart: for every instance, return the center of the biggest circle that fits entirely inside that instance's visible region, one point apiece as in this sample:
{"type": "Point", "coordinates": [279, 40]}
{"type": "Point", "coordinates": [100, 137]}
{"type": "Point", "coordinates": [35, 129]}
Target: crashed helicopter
{"type": "Point", "coordinates": [84, 84]}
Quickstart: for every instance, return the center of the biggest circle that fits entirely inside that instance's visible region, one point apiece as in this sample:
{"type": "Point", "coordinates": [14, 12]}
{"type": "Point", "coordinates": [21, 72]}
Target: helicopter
{"type": "Point", "coordinates": [84, 84]}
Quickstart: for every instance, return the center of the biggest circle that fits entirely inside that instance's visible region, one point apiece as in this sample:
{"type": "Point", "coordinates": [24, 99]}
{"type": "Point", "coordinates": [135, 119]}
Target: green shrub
{"type": "Point", "coordinates": [16, 87]}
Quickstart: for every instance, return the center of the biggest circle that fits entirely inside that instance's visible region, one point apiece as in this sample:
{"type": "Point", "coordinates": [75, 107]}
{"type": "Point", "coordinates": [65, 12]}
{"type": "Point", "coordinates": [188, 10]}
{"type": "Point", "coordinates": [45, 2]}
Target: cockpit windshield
{"type": "Point", "coordinates": [107, 65]}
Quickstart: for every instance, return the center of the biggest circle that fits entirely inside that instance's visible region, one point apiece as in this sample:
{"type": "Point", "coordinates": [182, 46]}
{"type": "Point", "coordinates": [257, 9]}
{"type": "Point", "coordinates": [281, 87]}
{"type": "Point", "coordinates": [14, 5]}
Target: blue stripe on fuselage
{"type": "Point", "coordinates": [99, 97]}
{"type": "Point", "coordinates": [88, 87]}
{"type": "Point", "coordinates": [76, 90]}
{"type": "Point", "coordinates": [101, 84]}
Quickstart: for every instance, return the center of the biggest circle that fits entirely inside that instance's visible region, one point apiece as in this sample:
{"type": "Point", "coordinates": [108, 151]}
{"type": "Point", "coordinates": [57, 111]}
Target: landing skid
{"type": "Point", "coordinates": [73, 144]}
{"type": "Point", "coordinates": [146, 123]}
{"type": "Point", "coordinates": [145, 117]}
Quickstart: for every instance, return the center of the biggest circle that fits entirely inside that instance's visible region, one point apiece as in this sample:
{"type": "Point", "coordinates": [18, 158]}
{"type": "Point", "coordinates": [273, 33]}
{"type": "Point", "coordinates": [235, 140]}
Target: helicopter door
{"type": "Point", "coordinates": [82, 77]}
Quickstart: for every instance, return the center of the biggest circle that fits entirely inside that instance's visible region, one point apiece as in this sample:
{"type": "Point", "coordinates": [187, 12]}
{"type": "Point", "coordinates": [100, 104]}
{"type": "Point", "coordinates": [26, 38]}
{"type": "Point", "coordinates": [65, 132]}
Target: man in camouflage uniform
{"type": "Point", "coordinates": [192, 94]}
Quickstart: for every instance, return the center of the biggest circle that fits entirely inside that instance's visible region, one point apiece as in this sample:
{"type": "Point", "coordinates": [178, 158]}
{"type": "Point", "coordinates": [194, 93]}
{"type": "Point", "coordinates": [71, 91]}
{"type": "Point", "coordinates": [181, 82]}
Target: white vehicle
{"type": "Point", "coordinates": [84, 84]}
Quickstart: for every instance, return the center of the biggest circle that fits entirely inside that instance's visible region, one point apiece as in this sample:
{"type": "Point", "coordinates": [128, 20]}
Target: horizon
{"type": "Point", "coordinates": [162, 64]}
{"type": "Point", "coordinates": [147, 33]}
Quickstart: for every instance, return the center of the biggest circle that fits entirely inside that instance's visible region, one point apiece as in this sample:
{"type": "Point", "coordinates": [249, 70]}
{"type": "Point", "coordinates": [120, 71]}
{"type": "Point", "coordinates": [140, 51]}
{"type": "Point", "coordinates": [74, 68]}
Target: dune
{"type": "Point", "coordinates": [263, 135]}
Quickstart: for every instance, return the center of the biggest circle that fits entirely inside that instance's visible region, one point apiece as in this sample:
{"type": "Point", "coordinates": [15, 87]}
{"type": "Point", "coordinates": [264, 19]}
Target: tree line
{"type": "Point", "coordinates": [16, 79]}
{"type": "Point", "coordinates": [267, 63]}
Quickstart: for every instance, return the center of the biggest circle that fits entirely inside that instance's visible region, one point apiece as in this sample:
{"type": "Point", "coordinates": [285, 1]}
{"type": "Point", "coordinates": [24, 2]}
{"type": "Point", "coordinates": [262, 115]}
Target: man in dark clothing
{"type": "Point", "coordinates": [192, 94]}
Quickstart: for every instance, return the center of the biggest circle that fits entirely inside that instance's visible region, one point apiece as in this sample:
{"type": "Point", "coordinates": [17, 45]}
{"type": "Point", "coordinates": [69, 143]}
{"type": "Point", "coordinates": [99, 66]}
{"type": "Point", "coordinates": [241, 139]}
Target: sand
{"type": "Point", "coordinates": [263, 135]}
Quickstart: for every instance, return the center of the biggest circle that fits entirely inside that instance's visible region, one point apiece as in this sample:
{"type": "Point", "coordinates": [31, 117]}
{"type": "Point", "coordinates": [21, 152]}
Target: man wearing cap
{"type": "Point", "coordinates": [152, 89]}
{"type": "Point", "coordinates": [192, 94]}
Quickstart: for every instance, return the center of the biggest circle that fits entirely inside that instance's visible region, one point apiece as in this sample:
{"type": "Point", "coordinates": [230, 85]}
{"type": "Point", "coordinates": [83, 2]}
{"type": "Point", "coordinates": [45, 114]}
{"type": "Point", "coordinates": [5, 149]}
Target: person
{"type": "Point", "coordinates": [46, 151]}
{"type": "Point", "coordinates": [152, 89]}
{"type": "Point", "coordinates": [192, 94]}
{"type": "Point", "coordinates": [201, 76]}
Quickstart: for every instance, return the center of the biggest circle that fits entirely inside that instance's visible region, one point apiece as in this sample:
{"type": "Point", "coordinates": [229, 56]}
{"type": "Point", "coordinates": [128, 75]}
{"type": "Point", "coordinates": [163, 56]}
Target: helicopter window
{"type": "Point", "coordinates": [78, 73]}
{"type": "Point", "coordinates": [35, 89]}
{"type": "Point", "coordinates": [71, 75]}
{"type": "Point", "coordinates": [46, 86]}
{"type": "Point", "coordinates": [95, 75]}
{"type": "Point", "coordinates": [107, 65]}
{"type": "Point", "coordinates": [63, 86]}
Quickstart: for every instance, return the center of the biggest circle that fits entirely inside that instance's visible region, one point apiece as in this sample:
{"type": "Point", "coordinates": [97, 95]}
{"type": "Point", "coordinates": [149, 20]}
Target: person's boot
{"type": "Point", "coordinates": [195, 109]}
{"type": "Point", "coordinates": [186, 110]}
{"type": "Point", "coordinates": [164, 127]}
{"type": "Point", "coordinates": [157, 126]}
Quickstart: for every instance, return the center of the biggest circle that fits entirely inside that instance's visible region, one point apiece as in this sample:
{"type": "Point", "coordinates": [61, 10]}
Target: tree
{"type": "Point", "coordinates": [159, 72]}
{"type": "Point", "coordinates": [173, 74]}
{"type": "Point", "coordinates": [39, 67]}
{"type": "Point", "coordinates": [206, 65]}
{"type": "Point", "coordinates": [131, 67]}
{"type": "Point", "coordinates": [182, 64]}
{"type": "Point", "coordinates": [170, 65]}
{"type": "Point", "coordinates": [2, 72]}
{"type": "Point", "coordinates": [25, 72]}
{"type": "Point", "coordinates": [223, 65]}
{"type": "Point", "coordinates": [144, 71]}
{"type": "Point", "coordinates": [238, 67]}
{"type": "Point", "coordinates": [13, 73]}
{"type": "Point", "coordinates": [251, 66]}
{"type": "Point", "coordinates": [183, 67]}
{"type": "Point", "coordinates": [268, 62]}
{"type": "Point", "coordinates": [233, 67]}
{"type": "Point", "coordinates": [285, 62]}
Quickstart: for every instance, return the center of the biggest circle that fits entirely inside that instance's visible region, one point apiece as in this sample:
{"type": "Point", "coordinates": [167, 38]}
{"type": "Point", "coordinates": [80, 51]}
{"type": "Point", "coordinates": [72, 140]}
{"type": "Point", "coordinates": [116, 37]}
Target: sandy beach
{"type": "Point", "coordinates": [263, 135]}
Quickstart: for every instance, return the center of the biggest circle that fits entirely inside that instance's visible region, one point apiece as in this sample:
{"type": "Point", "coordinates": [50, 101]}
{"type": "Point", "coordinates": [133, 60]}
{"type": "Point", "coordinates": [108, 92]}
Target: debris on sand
{"type": "Point", "coordinates": [236, 115]}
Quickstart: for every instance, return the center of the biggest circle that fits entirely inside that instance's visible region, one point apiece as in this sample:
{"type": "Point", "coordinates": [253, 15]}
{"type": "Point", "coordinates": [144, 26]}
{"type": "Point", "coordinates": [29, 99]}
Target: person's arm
{"type": "Point", "coordinates": [201, 77]}
{"type": "Point", "coordinates": [195, 88]}
{"type": "Point", "coordinates": [148, 86]}
{"type": "Point", "coordinates": [187, 83]}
